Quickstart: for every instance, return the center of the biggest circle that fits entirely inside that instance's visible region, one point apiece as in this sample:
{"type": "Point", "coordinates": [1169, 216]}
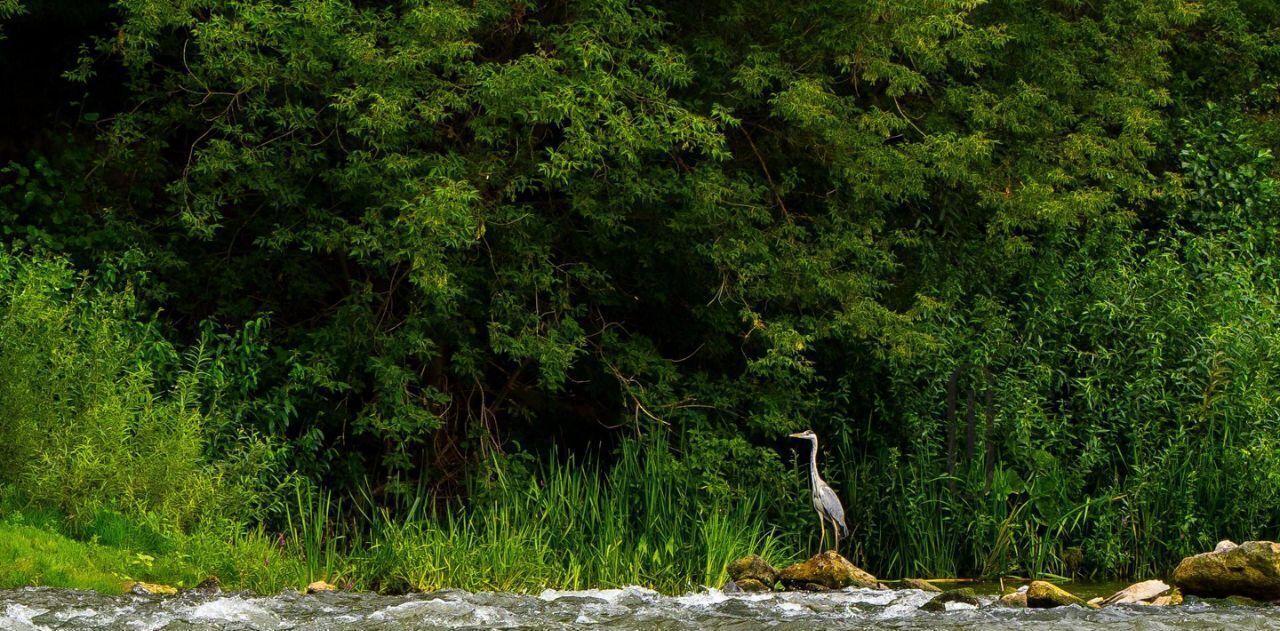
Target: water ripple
{"type": "Point", "coordinates": [632, 608]}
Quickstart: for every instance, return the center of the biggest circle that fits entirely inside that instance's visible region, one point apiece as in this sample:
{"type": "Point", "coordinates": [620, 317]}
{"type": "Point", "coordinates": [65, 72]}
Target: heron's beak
{"type": "Point", "coordinates": [797, 435]}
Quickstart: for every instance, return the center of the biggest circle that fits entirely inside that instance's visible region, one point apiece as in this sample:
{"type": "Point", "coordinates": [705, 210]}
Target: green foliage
{"type": "Point", "coordinates": [399, 239]}
{"type": "Point", "coordinates": [86, 425]}
{"type": "Point", "coordinates": [1133, 383]}
{"type": "Point", "coordinates": [9, 9]}
{"type": "Point", "coordinates": [572, 526]}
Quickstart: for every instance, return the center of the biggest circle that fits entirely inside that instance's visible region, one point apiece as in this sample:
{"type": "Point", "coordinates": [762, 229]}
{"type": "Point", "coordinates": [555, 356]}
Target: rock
{"type": "Point", "coordinates": [731, 587]}
{"type": "Point", "coordinates": [1250, 569]}
{"type": "Point", "coordinates": [963, 595]}
{"type": "Point", "coordinates": [755, 568]}
{"type": "Point", "coordinates": [1139, 593]}
{"type": "Point", "coordinates": [881, 587]}
{"type": "Point", "coordinates": [152, 589]}
{"type": "Point", "coordinates": [1095, 602]}
{"type": "Point", "coordinates": [1243, 601]}
{"type": "Point", "coordinates": [814, 587]}
{"type": "Point", "coordinates": [829, 570]}
{"type": "Point", "coordinates": [1016, 599]}
{"type": "Point", "coordinates": [320, 586]}
{"type": "Point", "coordinates": [210, 584]}
{"type": "Point", "coordinates": [1224, 545]}
{"type": "Point", "coordinates": [920, 584]}
{"type": "Point", "coordinates": [752, 585]}
{"type": "Point", "coordinates": [1042, 595]}
{"type": "Point", "coordinates": [1174, 598]}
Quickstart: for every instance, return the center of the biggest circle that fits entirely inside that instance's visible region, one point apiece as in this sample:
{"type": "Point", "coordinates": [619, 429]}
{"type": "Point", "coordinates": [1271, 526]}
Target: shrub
{"type": "Point", "coordinates": [84, 423]}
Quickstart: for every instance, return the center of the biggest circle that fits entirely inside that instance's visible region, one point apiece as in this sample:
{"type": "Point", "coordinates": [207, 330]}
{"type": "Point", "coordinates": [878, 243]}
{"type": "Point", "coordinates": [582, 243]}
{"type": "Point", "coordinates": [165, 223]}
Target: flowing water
{"type": "Point", "coordinates": [631, 608]}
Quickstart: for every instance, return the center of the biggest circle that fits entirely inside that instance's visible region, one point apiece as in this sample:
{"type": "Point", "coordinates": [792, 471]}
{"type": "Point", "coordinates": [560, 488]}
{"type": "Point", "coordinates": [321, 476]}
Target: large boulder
{"type": "Point", "coordinates": [1153, 592]}
{"type": "Point", "coordinates": [753, 568]}
{"type": "Point", "coordinates": [1043, 595]}
{"type": "Point", "coordinates": [964, 595]}
{"type": "Point", "coordinates": [829, 570]}
{"type": "Point", "coordinates": [1250, 569]}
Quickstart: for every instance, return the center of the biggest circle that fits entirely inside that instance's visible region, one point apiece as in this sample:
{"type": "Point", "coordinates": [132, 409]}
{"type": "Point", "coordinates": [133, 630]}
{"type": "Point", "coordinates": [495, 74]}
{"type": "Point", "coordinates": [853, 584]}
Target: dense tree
{"type": "Point", "coordinates": [434, 230]}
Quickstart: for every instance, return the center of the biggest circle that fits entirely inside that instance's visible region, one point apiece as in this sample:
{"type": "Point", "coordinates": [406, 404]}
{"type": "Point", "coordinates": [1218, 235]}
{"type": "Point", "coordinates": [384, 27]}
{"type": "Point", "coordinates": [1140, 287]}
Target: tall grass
{"type": "Point", "coordinates": [1136, 421]}
{"type": "Point", "coordinates": [572, 526]}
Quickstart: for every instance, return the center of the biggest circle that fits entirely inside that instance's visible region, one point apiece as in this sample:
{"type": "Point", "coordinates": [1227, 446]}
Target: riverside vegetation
{"type": "Point", "coordinates": [512, 294]}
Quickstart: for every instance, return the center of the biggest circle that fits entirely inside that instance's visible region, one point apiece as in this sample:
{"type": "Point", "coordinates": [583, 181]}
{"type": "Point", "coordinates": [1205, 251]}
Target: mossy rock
{"type": "Point", "coordinates": [830, 570]}
{"type": "Point", "coordinates": [1250, 569]}
{"type": "Point", "coordinates": [1174, 597]}
{"type": "Point", "coordinates": [209, 584]}
{"type": "Point", "coordinates": [1043, 595]}
{"type": "Point", "coordinates": [964, 595]}
{"type": "Point", "coordinates": [920, 584]}
{"type": "Point", "coordinates": [753, 568]}
{"type": "Point", "coordinates": [152, 589]}
{"type": "Point", "coordinates": [751, 585]}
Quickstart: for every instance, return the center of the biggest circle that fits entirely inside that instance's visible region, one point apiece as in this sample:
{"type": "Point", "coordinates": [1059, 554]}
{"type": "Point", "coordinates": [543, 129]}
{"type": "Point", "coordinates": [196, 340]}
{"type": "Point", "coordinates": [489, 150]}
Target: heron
{"type": "Point", "coordinates": [824, 498]}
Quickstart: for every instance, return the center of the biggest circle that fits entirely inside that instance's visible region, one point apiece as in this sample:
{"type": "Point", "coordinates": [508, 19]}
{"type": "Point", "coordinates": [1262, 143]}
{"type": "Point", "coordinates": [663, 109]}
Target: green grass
{"type": "Point", "coordinates": [30, 555]}
{"type": "Point", "coordinates": [569, 525]}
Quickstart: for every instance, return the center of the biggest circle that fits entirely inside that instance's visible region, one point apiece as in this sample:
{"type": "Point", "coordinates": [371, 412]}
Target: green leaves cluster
{"type": "Point", "coordinates": [88, 426]}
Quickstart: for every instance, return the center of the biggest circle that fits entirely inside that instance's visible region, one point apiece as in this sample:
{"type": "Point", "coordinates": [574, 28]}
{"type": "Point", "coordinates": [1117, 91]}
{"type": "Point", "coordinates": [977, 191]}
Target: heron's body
{"type": "Point", "coordinates": [824, 498]}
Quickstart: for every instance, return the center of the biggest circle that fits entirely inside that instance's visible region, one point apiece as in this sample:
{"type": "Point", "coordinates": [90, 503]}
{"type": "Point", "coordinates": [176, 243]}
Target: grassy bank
{"type": "Point", "coordinates": [30, 555]}
{"type": "Point", "coordinates": [568, 527]}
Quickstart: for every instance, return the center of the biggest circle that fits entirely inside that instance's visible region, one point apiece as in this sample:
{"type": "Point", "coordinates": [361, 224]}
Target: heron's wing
{"type": "Point", "coordinates": [832, 507]}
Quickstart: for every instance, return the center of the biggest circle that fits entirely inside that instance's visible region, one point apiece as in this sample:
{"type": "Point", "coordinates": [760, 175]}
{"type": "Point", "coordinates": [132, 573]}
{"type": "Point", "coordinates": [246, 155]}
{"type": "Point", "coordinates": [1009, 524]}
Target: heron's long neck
{"type": "Point", "coordinates": [813, 463]}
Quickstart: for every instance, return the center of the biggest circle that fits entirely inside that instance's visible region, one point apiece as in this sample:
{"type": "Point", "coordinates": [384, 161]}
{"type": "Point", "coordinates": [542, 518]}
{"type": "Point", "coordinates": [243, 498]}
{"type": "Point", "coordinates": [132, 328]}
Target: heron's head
{"type": "Point", "coordinates": [805, 435]}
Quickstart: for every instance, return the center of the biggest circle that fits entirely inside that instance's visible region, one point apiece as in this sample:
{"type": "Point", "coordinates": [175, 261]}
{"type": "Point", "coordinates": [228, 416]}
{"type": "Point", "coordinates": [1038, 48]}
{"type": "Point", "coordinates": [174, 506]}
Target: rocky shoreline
{"type": "Point", "coordinates": [1244, 574]}
{"type": "Point", "coordinates": [1248, 573]}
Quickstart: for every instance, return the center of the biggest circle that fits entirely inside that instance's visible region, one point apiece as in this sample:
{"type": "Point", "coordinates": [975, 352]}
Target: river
{"type": "Point", "coordinates": [631, 608]}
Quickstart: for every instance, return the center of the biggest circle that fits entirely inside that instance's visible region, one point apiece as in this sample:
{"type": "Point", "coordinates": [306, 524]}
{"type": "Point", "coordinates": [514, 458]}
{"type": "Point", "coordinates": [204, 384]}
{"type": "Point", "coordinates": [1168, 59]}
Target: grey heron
{"type": "Point", "coordinates": [824, 499]}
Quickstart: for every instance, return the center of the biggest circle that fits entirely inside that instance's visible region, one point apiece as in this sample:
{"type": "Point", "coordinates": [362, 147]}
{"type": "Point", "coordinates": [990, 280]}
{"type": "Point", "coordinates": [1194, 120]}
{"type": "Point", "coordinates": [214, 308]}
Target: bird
{"type": "Point", "coordinates": [824, 498]}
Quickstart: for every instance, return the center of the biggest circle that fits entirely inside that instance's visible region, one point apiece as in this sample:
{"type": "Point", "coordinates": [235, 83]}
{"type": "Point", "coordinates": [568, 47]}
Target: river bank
{"type": "Point", "coordinates": [32, 557]}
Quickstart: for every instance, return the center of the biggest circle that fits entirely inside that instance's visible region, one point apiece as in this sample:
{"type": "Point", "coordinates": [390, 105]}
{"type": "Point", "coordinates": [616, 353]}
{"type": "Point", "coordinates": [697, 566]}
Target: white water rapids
{"type": "Point", "coordinates": [631, 608]}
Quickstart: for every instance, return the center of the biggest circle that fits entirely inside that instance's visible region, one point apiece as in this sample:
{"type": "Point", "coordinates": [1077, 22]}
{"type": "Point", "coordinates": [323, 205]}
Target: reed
{"type": "Point", "coordinates": [572, 526]}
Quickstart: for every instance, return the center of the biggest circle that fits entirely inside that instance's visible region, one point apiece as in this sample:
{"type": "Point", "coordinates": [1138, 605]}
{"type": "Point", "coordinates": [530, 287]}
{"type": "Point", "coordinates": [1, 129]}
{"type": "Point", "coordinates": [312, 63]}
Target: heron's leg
{"type": "Point", "coordinates": [822, 540]}
{"type": "Point", "coordinates": [835, 528]}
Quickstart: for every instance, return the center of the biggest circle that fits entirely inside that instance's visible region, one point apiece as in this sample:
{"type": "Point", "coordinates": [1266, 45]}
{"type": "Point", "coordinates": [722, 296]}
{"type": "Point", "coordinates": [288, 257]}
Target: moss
{"type": "Point", "coordinates": [829, 570]}
{"type": "Point", "coordinates": [964, 595]}
{"type": "Point", "coordinates": [1043, 595]}
{"type": "Point", "coordinates": [1251, 569]}
{"type": "Point", "coordinates": [753, 568]}
{"type": "Point", "coordinates": [751, 585]}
